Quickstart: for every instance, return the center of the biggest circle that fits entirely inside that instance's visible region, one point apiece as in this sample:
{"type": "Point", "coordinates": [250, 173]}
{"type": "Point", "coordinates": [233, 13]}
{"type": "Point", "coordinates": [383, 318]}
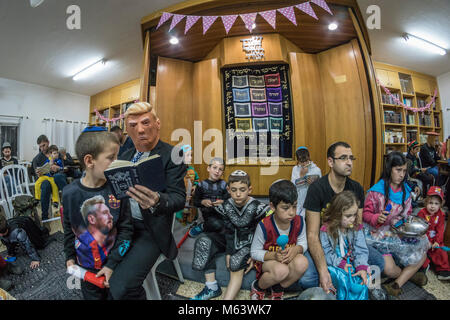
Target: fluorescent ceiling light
{"type": "Point", "coordinates": [35, 3]}
{"type": "Point", "coordinates": [332, 26]}
{"type": "Point", "coordinates": [423, 44]}
{"type": "Point", "coordinates": [174, 40]}
{"type": "Point", "coordinates": [86, 72]}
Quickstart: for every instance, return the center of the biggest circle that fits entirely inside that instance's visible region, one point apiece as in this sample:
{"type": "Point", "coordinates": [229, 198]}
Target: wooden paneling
{"type": "Point", "coordinates": [174, 92]}
{"type": "Point", "coordinates": [308, 107]}
{"type": "Point", "coordinates": [421, 85]}
{"type": "Point", "coordinates": [145, 74]}
{"type": "Point", "coordinates": [345, 106]}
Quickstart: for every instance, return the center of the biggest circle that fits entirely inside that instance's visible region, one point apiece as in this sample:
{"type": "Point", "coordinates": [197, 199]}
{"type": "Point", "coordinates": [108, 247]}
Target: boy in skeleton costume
{"type": "Point", "coordinates": [241, 214]}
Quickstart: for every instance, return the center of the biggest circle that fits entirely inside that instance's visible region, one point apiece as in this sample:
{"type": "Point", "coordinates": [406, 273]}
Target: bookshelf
{"type": "Point", "coordinates": [113, 102]}
{"type": "Point", "coordinates": [399, 125]}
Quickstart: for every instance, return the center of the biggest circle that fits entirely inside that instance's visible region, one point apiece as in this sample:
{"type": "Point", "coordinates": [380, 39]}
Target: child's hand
{"type": "Point", "coordinates": [217, 202]}
{"type": "Point", "coordinates": [347, 266]}
{"type": "Point", "coordinates": [34, 264]}
{"type": "Point", "coordinates": [207, 203]}
{"type": "Point", "coordinates": [69, 263]}
{"type": "Point", "coordinates": [251, 264]}
{"type": "Point", "coordinates": [107, 272]}
{"type": "Point", "coordinates": [382, 217]}
{"type": "Point", "coordinates": [435, 245]}
{"type": "Point", "coordinates": [279, 256]}
{"type": "Point", "coordinates": [289, 254]}
{"type": "Point", "coordinates": [363, 275]}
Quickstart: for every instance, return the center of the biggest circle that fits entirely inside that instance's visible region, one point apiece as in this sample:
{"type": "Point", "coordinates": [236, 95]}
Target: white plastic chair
{"type": "Point", "coordinates": [19, 181]}
{"type": "Point", "coordinates": [150, 284]}
{"type": "Point", "coordinates": [3, 199]}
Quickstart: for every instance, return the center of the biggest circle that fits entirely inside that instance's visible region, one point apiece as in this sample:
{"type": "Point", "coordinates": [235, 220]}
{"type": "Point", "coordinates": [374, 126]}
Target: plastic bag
{"type": "Point", "coordinates": [408, 251]}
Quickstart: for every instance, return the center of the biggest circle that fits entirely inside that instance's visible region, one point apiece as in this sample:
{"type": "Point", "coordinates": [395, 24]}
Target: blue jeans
{"type": "Point", "coordinates": [434, 171]}
{"type": "Point", "coordinates": [46, 192]}
{"type": "Point", "coordinates": [311, 276]}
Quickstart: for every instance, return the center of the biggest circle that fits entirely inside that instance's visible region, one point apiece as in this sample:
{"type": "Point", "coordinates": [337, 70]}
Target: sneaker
{"type": "Point", "coordinates": [392, 288]}
{"type": "Point", "coordinates": [443, 275]}
{"type": "Point", "coordinates": [276, 295]}
{"type": "Point", "coordinates": [207, 294]}
{"type": "Point", "coordinates": [5, 284]}
{"type": "Point", "coordinates": [255, 294]}
{"type": "Point", "coordinates": [419, 279]}
{"type": "Point", "coordinates": [195, 231]}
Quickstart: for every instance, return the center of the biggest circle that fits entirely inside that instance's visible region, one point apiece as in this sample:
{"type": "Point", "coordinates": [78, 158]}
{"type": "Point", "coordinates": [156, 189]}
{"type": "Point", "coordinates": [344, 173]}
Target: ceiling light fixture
{"type": "Point", "coordinates": [332, 26]}
{"type": "Point", "coordinates": [174, 40]}
{"type": "Point", "coordinates": [35, 3]}
{"type": "Point", "coordinates": [88, 71]}
{"type": "Point", "coordinates": [423, 44]}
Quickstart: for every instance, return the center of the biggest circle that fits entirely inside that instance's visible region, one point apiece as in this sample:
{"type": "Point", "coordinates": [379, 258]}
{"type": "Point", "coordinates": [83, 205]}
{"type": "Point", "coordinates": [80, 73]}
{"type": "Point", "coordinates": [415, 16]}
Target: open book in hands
{"type": "Point", "coordinates": [45, 169]}
{"type": "Point", "coordinates": [148, 172]}
{"type": "Point", "coordinates": [304, 180]}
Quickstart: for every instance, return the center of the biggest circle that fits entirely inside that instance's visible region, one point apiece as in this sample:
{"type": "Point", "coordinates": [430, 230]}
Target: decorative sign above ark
{"type": "Point", "coordinates": [253, 48]}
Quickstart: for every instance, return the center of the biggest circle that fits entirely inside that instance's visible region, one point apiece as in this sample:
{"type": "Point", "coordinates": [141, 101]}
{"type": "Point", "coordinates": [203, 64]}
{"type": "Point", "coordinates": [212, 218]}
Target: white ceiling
{"type": "Point", "coordinates": [428, 19]}
{"type": "Point", "coordinates": [36, 46]}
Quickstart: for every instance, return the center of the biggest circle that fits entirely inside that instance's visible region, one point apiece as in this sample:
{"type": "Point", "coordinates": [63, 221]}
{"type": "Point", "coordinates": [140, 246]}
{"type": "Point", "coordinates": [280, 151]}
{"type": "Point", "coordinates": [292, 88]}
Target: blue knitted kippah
{"type": "Point", "coordinates": [94, 129]}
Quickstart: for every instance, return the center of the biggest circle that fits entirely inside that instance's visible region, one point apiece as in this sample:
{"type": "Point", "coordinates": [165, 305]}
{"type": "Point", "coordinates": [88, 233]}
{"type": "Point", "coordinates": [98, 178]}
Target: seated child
{"type": "Point", "coordinates": [6, 160]}
{"type": "Point", "coordinates": [433, 214]}
{"type": "Point", "coordinates": [97, 227]}
{"type": "Point", "coordinates": [304, 174]}
{"type": "Point", "coordinates": [344, 245]}
{"type": "Point", "coordinates": [278, 268]}
{"type": "Point", "coordinates": [23, 232]}
{"type": "Point", "coordinates": [53, 160]}
{"type": "Point", "coordinates": [191, 179]}
{"type": "Point", "coordinates": [241, 214]}
{"type": "Point", "coordinates": [209, 194]}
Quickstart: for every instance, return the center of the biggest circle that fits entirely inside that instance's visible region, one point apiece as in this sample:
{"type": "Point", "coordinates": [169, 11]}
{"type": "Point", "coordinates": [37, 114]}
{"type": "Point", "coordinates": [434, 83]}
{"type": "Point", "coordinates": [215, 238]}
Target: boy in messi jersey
{"type": "Point", "coordinates": [278, 268]}
{"type": "Point", "coordinates": [97, 227]}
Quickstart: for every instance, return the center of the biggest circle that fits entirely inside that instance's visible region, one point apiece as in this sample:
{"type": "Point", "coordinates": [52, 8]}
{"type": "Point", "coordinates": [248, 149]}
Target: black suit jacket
{"type": "Point", "coordinates": [159, 223]}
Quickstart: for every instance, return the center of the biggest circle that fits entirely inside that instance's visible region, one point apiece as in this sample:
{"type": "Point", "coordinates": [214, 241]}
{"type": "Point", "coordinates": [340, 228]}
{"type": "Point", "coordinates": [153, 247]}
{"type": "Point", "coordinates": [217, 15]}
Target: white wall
{"type": "Point", "coordinates": [35, 103]}
{"type": "Point", "coordinates": [444, 90]}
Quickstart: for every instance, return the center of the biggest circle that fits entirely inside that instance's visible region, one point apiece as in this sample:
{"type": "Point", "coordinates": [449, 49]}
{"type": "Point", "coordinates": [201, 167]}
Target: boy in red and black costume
{"type": "Point", "coordinates": [276, 268]}
{"type": "Point", "coordinates": [433, 214]}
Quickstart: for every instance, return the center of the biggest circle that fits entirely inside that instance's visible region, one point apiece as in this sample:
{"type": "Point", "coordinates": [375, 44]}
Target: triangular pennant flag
{"type": "Point", "coordinates": [269, 16]}
{"type": "Point", "coordinates": [176, 18]}
{"type": "Point", "coordinates": [323, 5]}
{"type": "Point", "coordinates": [306, 8]}
{"type": "Point", "coordinates": [249, 20]}
{"type": "Point", "coordinates": [228, 21]}
{"type": "Point", "coordinates": [164, 17]}
{"type": "Point", "coordinates": [207, 22]}
{"type": "Point", "coordinates": [190, 21]}
{"type": "Point", "coordinates": [289, 13]}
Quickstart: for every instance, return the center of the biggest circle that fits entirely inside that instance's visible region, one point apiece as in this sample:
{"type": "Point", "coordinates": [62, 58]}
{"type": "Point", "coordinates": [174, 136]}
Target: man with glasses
{"type": "Point", "coordinates": [340, 160]}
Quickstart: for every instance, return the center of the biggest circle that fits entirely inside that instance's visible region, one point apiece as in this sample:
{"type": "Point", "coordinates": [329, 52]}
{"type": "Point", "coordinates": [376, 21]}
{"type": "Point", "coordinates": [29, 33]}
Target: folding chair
{"type": "Point", "coordinates": [150, 284]}
{"type": "Point", "coordinates": [18, 177]}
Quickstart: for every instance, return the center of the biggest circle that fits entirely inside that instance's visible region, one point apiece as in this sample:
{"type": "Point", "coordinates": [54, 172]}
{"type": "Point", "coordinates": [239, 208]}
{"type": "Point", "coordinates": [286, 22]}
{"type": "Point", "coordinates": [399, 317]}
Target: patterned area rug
{"type": "Point", "coordinates": [50, 280]}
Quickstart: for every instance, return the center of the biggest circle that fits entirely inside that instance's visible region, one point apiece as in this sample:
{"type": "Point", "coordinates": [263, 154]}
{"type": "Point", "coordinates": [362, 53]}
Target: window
{"type": "Point", "coordinates": [9, 132]}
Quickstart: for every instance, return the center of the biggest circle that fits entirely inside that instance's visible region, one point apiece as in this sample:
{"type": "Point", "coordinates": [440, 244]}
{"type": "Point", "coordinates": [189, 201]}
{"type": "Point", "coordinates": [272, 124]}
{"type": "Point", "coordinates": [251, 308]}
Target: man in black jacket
{"type": "Point", "coordinates": [429, 156]}
{"type": "Point", "coordinates": [152, 211]}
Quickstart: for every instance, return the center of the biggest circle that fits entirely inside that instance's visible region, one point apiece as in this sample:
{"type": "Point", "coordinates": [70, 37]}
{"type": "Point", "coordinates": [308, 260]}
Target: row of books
{"type": "Point", "coordinates": [437, 122]}
{"type": "Point", "coordinates": [408, 102]}
{"type": "Point", "coordinates": [392, 117]}
{"type": "Point", "coordinates": [411, 135]}
{"type": "Point", "coordinates": [410, 119]}
{"type": "Point", "coordinates": [394, 136]}
{"type": "Point", "coordinates": [425, 120]}
{"type": "Point", "coordinates": [406, 85]}
{"type": "Point", "coordinates": [421, 103]}
{"type": "Point", "coordinates": [389, 99]}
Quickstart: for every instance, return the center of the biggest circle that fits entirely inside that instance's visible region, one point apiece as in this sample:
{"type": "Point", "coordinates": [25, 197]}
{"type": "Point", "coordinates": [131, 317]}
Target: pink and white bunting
{"type": "Point", "coordinates": [176, 18]}
{"type": "Point", "coordinates": [270, 16]}
{"type": "Point", "coordinates": [323, 5]}
{"type": "Point", "coordinates": [249, 20]}
{"type": "Point", "coordinates": [190, 21]}
{"type": "Point", "coordinates": [207, 22]}
{"type": "Point", "coordinates": [289, 13]}
{"type": "Point", "coordinates": [306, 8]}
{"type": "Point", "coordinates": [165, 16]}
{"type": "Point", "coordinates": [228, 21]}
